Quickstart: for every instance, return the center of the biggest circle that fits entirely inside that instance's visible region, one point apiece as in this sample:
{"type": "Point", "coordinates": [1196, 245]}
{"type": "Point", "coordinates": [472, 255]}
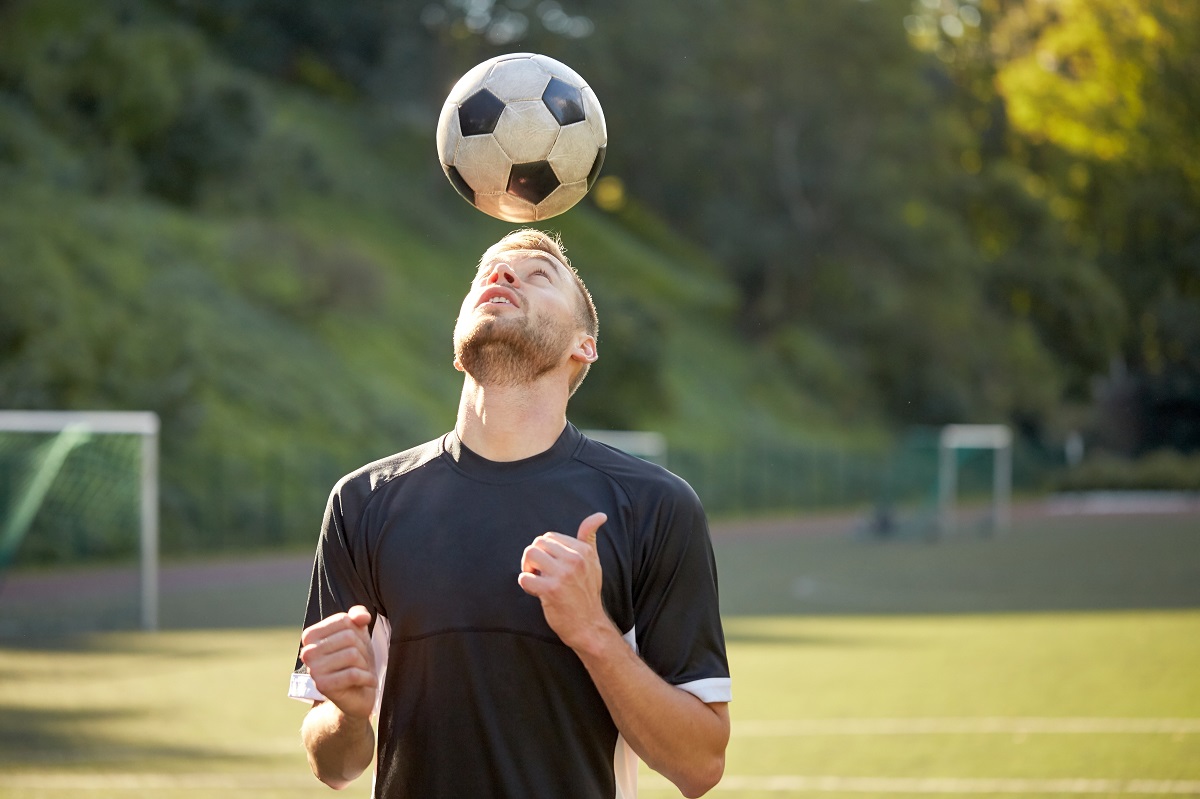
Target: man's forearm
{"type": "Point", "coordinates": [339, 747]}
{"type": "Point", "coordinates": [674, 732]}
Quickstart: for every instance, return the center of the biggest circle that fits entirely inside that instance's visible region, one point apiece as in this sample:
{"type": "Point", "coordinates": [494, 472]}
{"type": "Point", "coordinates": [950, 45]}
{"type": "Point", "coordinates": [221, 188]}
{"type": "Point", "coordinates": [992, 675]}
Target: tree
{"type": "Point", "coordinates": [1096, 101]}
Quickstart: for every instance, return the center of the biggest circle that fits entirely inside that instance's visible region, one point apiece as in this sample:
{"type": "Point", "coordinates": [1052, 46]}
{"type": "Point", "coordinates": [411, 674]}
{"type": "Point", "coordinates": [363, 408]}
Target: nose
{"type": "Point", "coordinates": [502, 272]}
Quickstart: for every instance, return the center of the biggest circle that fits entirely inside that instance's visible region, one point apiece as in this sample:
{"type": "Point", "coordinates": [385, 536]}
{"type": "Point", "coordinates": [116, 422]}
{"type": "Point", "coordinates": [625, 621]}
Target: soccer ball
{"type": "Point", "coordinates": [522, 137]}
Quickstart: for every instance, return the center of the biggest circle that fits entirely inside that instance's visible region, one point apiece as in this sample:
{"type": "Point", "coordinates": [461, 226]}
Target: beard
{"type": "Point", "coordinates": [508, 352]}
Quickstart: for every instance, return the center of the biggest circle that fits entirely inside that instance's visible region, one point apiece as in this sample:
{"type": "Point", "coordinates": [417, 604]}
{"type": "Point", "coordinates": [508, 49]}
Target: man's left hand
{"type": "Point", "coordinates": [564, 572]}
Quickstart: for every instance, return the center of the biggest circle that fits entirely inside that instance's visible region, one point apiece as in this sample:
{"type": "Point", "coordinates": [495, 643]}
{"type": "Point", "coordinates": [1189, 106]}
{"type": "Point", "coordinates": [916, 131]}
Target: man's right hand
{"type": "Point", "coordinates": [337, 651]}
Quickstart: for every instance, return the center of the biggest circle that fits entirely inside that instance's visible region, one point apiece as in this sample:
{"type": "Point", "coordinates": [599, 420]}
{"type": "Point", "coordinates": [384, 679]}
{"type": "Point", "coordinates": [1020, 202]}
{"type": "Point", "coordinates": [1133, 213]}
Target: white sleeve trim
{"type": "Point", "coordinates": [712, 689]}
{"type": "Point", "coordinates": [631, 638]}
{"type": "Point", "coordinates": [303, 688]}
{"type": "Point", "coordinates": [381, 641]}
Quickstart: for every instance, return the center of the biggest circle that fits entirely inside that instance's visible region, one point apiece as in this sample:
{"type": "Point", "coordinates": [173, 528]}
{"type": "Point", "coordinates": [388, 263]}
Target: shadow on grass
{"type": "Point", "coordinates": [38, 738]}
{"type": "Point", "coordinates": [748, 631]}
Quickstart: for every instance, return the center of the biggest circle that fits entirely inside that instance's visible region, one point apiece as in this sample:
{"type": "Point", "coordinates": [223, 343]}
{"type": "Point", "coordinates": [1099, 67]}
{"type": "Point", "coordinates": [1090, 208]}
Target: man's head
{"type": "Point", "coordinates": [528, 312]}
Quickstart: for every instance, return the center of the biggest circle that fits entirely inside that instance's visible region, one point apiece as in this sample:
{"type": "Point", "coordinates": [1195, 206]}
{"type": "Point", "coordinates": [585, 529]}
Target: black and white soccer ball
{"type": "Point", "coordinates": [522, 137]}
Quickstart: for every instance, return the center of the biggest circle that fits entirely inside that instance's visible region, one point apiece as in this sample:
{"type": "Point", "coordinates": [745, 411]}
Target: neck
{"type": "Point", "coordinates": [510, 423]}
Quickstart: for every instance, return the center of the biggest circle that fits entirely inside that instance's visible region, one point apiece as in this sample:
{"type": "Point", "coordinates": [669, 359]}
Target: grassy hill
{"type": "Point", "coordinates": [276, 271]}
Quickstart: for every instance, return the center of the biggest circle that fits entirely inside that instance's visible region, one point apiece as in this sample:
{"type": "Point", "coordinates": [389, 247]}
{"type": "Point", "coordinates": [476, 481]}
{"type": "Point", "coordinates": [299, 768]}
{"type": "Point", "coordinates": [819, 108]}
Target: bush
{"type": "Point", "coordinates": [1163, 470]}
{"type": "Point", "coordinates": [144, 101]}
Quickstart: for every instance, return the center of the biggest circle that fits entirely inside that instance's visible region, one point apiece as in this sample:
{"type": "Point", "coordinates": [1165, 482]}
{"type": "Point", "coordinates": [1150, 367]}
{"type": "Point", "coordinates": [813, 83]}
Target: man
{"type": "Point", "coordinates": [502, 660]}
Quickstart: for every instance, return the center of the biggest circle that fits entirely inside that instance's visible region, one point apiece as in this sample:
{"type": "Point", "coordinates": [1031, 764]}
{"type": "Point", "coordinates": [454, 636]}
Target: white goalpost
{"type": "Point", "coordinates": [954, 437]}
{"type": "Point", "coordinates": [74, 428]}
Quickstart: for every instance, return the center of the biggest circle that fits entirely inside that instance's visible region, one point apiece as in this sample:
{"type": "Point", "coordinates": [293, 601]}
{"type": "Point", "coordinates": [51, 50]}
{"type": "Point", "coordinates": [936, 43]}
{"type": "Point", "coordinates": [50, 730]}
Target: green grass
{"type": "Point", "coordinates": [1119, 665]}
{"type": "Point", "coordinates": [188, 706]}
{"type": "Point", "coordinates": [904, 703]}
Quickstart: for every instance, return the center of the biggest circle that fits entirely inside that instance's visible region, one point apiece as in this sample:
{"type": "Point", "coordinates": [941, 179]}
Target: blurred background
{"type": "Point", "coordinates": [822, 230]}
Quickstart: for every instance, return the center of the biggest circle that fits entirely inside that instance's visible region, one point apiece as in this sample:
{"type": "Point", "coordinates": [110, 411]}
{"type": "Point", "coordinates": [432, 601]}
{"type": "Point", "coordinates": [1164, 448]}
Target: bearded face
{"type": "Point", "coordinates": [508, 350]}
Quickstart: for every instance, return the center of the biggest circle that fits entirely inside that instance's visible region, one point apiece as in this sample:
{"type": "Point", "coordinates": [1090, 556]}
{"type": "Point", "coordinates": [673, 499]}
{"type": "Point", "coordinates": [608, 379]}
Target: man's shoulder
{"type": "Point", "coordinates": [366, 479]}
{"type": "Point", "coordinates": [636, 475]}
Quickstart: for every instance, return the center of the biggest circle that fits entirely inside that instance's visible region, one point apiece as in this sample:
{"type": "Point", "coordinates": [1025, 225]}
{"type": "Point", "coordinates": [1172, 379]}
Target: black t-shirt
{"type": "Point", "coordinates": [480, 698]}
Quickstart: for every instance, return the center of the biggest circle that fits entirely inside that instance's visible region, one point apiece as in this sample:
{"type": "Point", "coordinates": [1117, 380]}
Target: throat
{"type": "Point", "coordinates": [509, 423]}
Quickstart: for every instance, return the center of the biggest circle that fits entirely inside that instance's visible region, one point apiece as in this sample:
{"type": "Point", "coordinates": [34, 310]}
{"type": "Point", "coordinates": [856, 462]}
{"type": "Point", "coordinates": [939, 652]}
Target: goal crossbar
{"type": "Point", "coordinates": [996, 437]}
{"type": "Point", "coordinates": [141, 423]}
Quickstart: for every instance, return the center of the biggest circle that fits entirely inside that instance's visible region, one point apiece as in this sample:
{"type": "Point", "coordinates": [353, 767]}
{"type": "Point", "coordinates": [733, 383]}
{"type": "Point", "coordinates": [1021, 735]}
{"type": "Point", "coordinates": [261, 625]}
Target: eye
{"type": "Point", "coordinates": [540, 271]}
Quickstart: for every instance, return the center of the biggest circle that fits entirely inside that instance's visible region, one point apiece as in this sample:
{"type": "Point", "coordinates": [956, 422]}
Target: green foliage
{"type": "Point", "coordinates": [633, 345]}
{"type": "Point", "coordinates": [230, 212]}
{"type": "Point", "coordinates": [833, 193]}
{"type": "Point", "coordinates": [1162, 470]}
{"type": "Point", "coordinates": [137, 96]}
{"type": "Point", "coordinates": [294, 321]}
{"type": "Point", "coordinates": [1089, 108]}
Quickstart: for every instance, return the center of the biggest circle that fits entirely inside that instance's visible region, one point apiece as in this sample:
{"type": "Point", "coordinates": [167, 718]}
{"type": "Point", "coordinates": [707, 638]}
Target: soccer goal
{"type": "Point", "coordinates": [957, 437]}
{"type": "Point", "coordinates": [74, 484]}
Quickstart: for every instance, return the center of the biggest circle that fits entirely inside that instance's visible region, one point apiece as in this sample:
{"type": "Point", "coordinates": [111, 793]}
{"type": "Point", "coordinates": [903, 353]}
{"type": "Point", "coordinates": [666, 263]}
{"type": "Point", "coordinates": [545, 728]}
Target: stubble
{"type": "Point", "coordinates": [508, 352]}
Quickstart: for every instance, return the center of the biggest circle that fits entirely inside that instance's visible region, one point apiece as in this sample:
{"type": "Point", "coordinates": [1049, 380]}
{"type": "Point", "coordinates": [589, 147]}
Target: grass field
{"type": "Point", "coordinates": [1062, 660]}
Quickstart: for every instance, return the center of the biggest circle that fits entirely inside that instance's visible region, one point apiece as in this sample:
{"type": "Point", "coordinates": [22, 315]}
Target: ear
{"type": "Point", "coordinates": [585, 350]}
{"type": "Point", "coordinates": [458, 365]}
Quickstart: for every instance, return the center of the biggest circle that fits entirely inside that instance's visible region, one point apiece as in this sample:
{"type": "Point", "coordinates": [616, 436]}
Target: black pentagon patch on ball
{"type": "Point", "coordinates": [533, 181]}
{"type": "Point", "coordinates": [594, 172]}
{"type": "Point", "coordinates": [564, 101]}
{"type": "Point", "coordinates": [479, 113]}
{"type": "Point", "coordinates": [460, 185]}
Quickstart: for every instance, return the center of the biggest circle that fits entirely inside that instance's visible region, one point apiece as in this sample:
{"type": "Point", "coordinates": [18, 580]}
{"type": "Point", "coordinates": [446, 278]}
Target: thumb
{"type": "Point", "coordinates": [359, 615]}
{"type": "Point", "coordinates": [589, 526]}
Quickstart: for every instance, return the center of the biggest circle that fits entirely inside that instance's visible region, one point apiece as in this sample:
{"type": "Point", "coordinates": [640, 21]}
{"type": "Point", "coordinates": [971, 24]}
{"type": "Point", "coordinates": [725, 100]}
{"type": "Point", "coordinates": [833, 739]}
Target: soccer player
{"type": "Point", "coordinates": [522, 611]}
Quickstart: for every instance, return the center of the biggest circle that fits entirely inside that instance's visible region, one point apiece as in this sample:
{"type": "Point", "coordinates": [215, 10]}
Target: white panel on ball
{"type": "Point", "coordinates": [511, 209]}
{"type": "Point", "coordinates": [526, 131]}
{"type": "Point", "coordinates": [570, 154]}
{"type": "Point", "coordinates": [559, 70]}
{"type": "Point", "coordinates": [469, 83]}
{"type": "Point", "coordinates": [482, 164]}
{"type": "Point", "coordinates": [513, 80]}
{"type": "Point", "coordinates": [561, 199]}
{"type": "Point", "coordinates": [595, 116]}
{"type": "Point", "coordinates": [448, 135]}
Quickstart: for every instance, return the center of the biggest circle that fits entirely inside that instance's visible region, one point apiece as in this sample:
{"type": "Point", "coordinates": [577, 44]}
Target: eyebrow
{"type": "Point", "coordinates": [548, 260]}
{"type": "Point", "coordinates": [531, 255]}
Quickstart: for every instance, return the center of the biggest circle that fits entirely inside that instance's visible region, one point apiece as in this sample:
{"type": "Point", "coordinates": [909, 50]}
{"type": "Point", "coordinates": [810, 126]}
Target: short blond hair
{"type": "Point", "coordinates": [551, 244]}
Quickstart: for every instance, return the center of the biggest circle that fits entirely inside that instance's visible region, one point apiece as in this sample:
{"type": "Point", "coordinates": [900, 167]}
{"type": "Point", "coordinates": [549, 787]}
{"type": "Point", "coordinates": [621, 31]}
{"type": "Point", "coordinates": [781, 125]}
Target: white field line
{"type": "Point", "coordinates": [653, 782]}
{"type": "Point", "coordinates": [783, 728]}
{"type": "Point", "coordinates": [150, 782]}
{"type": "Point", "coordinates": [943, 785]}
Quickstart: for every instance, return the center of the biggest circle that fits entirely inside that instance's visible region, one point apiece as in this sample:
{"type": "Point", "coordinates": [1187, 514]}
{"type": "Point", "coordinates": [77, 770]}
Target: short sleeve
{"type": "Point", "coordinates": [676, 611]}
{"type": "Point", "coordinates": [340, 577]}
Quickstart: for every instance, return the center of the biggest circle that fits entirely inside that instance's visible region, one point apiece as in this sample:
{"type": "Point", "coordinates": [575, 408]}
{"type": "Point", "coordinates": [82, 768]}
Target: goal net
{"type": "Point", "coordinates": [956, 439]}
{"type": "Point", "coordinates": [944, 481]}
{"type": "Point", "coordinates": [78, 521]}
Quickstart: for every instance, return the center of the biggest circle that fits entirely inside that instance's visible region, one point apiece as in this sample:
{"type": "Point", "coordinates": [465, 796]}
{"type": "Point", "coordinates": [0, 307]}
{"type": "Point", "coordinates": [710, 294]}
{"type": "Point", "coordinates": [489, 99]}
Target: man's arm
{"type": "Point", "coordinates": [674, 732]}
{"type": "Point", "coordinates": [339, 747]}
{"type": "Point", "coordinates": [337, 733]}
